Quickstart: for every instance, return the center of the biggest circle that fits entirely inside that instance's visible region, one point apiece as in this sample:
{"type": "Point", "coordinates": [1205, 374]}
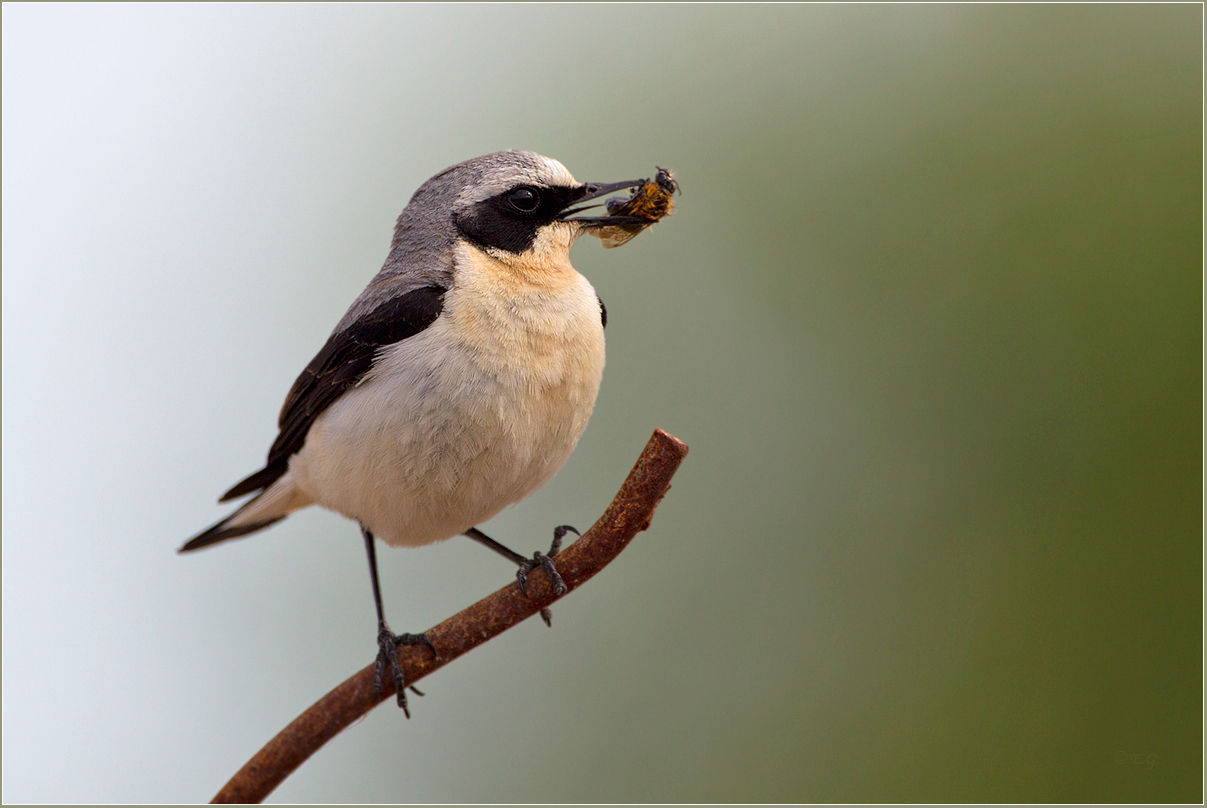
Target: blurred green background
{"type": "Point", "coordinates": [928, 315]}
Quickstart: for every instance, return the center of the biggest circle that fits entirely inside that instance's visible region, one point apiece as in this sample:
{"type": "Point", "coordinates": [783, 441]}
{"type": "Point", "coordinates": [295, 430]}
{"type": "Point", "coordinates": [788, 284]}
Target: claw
{"type": "Point", "coordinates": [558, 533]}
{"type": "Point", "coordinates": [387, 654]}
{"type": "Point", "coordinates": [521, 575]}
{"type": "Point", "coordinates": [543, 561]}
{"type": "Point", "coordinates": [559, 586]}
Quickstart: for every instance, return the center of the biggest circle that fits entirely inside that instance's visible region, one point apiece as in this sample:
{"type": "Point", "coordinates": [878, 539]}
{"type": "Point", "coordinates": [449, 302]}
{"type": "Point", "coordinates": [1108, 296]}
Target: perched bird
{"type": "Point", "coordinates": [457, 383]}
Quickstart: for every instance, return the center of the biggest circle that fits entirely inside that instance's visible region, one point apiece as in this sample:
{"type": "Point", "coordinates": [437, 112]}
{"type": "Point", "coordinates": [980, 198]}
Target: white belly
{"type": "Point", "coordinates": [466, 417]}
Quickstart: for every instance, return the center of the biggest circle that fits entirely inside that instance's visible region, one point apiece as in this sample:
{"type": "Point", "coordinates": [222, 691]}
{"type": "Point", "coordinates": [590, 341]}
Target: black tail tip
{"type": "Point", "coordinates": [220, 533]}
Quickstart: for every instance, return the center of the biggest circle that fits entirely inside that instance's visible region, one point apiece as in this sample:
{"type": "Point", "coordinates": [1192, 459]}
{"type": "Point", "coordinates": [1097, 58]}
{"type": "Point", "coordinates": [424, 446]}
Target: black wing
{"type": "Point", "coordinates": [342, 362]}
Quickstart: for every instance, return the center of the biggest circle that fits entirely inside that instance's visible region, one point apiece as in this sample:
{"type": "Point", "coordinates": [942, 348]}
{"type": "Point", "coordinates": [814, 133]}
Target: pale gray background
{"type": "Point", "coordinates": [928, 315]}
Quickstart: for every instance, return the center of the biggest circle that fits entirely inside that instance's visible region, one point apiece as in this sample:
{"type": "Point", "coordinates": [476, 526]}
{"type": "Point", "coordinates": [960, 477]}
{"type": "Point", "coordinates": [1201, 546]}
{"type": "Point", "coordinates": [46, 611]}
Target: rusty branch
{"type": "Point", "coordinates": [629, 513]}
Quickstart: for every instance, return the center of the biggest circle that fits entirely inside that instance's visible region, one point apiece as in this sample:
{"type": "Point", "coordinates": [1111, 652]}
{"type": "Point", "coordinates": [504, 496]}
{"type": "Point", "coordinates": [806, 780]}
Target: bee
{"type": "Point", "coordinates": [649, 202]}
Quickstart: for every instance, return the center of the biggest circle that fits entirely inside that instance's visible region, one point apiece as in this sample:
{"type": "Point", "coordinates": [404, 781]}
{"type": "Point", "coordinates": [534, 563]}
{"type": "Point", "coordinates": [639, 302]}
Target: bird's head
{"type": "Point", "coordinates": [511, 204]}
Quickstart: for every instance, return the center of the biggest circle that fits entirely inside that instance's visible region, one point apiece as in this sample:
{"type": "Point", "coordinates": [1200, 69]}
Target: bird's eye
{"type": "Point", "coordinates": [524, 200]}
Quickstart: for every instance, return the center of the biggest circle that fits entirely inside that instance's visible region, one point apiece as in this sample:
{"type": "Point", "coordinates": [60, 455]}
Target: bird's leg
{"type": "Point", "coordinates": [527, 565]}
{"type": "Point", "coordinates": [388, 641]}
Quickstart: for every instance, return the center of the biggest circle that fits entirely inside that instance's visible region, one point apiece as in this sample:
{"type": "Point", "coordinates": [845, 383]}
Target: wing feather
{"type": "Point", "coordinates": [342, 362]}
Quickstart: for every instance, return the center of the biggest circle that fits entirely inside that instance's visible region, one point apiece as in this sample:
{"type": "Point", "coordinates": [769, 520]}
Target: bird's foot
{"type": "Point", "coordinates": [545, 562]}
{"type": "Point", "coordinates": [387, 655]}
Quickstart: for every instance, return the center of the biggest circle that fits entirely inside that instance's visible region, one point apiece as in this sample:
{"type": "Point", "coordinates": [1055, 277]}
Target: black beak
{"type": "Point", "coordinates": [594, 190]}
